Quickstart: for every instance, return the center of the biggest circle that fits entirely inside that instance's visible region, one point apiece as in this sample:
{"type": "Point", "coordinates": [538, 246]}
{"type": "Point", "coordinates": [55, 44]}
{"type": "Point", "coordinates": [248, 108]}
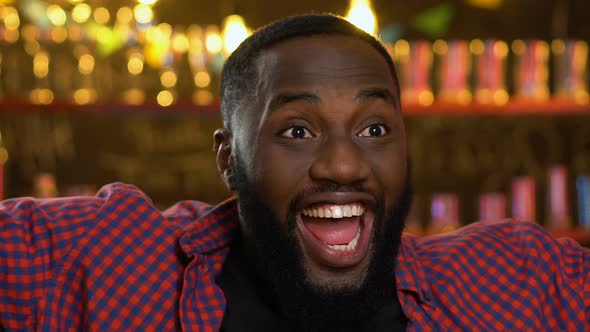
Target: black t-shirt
{"type": "Point", "coordinates": [249, 306]}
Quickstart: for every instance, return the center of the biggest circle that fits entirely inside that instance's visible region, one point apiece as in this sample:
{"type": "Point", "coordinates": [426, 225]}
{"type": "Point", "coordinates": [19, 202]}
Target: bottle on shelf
{"type": "Point", "coordinates": [558, 217]}
{"type": "Point", "coordinates": [444, 211]}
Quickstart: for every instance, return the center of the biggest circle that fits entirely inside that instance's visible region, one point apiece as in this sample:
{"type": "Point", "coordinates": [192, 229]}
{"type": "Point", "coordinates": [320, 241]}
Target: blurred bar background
{"type": "Point", "coordinates": [495, 95]}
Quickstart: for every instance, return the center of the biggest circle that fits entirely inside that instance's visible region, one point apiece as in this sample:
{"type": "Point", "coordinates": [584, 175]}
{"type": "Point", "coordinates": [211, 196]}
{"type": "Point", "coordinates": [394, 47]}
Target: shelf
{"type": "Point", "coordinates": [552, 107]}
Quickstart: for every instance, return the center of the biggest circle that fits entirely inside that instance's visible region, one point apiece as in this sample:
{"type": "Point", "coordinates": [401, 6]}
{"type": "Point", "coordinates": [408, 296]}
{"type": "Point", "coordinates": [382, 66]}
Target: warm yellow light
{"type": "Point", "coordinates": [542, 51]}
{"type": "Point", "coordinates": [501, 97]}
{"type": "Point", "coordinates": [101, 15]}
{"type": "Point", "coordinates": [401, 48]}
{"type": "Point", "coordinates": [168, 78]}
{"type": "Point", "coordinates": [476, 46]}
{"type": "Point", "coordinates": [202, 79]}
{"type": "Point", "coordinates": [143, 14]}
{"type": "Point", "coordinates": [59, 34]}
{"type": "Point", "coordinates": [464, 97]}
{"type": "Point", "coordinates": [135, 64]}
{"type": "Point", "coordinates": [213, 40]}
{"type": "Point", "coordinates": [134, 96]}
{"type": "Point", "coordinates": [440, 47]}
{"type": "Point", "coordinates": [3, 155]}
{"type": "Point", "coordinates": [75, 1]}
{"type": "Point", "coordinates": [84, 96]}
{"type": "Point", "coordinates": [30, 32]}
{"type": "Point", "coordinates": [124, 15]}
{"type": "Point", "coordinates": [41, 96]}
{"type": "Point", "coordinates": [41, 64]}
{"type": "Point", "coordinates": [581, 97]}
{"type": "Point", "coordinates": [180, 43]}
{"type": "Point", "coordinates": [234, 32]}
{"type": "Point", "coordinates": [203, 97]}
{"type": "Point", "coordinates": [486, 4]}
{"type": "Point", "coordinates": [195, 37]}
{"type": "Point", "coordinates": [165, 98]}
{"type": "Point", "coordinates": [147, 2]}
{"type": "Point", "coordinates": [75, 32]}
{"type": "Point", "coordinates": [81, 13]}
{"type": "Point", "coordinates": [11, 36]}
{"type": "Point", "coordinates": [518, 47]}
{"type": "Point", "coordinates": [425, 98]}
{"type": "Point", "coordinates": [500, 49]}
{"type": "Point", "coordinates": [86, 64]}
{"type": "Point", "coordinates": [11, 19]}
{"type": "Point", "coordinates": [32, 47]}
{"type": "Point", "coordinates": [56, 15]}
{"type": "Point", "coordinates": [361, 15]}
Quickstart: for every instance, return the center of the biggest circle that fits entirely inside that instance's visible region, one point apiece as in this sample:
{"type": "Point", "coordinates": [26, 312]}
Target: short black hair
{"type": "Point", "coordinates": [239, 74]}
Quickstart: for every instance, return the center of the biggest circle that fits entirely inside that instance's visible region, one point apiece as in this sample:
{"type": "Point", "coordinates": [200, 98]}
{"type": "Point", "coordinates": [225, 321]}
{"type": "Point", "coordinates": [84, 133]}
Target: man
{"type": "Point", "coordinates": [314, 146]}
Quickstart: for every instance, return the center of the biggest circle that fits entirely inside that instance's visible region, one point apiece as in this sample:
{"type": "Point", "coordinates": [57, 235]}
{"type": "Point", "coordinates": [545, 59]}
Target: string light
{"type": "Point", "coordinates": [81, 13]}
{"type": "Point", "coordinates": [361, 15]}
{"type": "Point", "coordinates": [234, 33]}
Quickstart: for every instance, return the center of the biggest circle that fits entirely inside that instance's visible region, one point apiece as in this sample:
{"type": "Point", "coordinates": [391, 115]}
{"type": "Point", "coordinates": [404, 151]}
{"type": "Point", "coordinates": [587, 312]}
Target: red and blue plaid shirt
{"type": "Point", "coordinates": [114, 262]}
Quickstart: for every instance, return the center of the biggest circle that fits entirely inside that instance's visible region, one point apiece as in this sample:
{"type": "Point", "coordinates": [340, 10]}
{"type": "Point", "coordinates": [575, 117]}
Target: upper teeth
{"type": "Point", "coordinates": [335, 211]}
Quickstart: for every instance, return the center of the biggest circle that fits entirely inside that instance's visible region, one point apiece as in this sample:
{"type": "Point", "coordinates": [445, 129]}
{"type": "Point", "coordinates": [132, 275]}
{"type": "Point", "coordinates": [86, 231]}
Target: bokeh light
{"type": "Point", "coordinates": [234, 32]}
{"type": "Point", "coordinates": [101, 15]}
{"type": "Point", "coordinates": [81, 13]}
{"type": "Point", "coordinates": [56, 15]}
{"type": "Point", "coordinates": [143, 14]}
{"type": "Point", "coordinates": [361, 15]}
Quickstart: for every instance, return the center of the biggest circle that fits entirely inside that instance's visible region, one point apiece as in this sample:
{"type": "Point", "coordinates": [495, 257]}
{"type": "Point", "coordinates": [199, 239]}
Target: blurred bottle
{"type": "Point", "coordinates": [531, 70]}
{"type": "Point", "coordinates": [492, 206]}
{"type": "Point", "coordinates": [570, 59]}
{"type": "Point", "coordinates": [414, 63]}
{"type": "Point", "coordinates": [490, 71]}
{"type": "Point", "coordinates": [453, 71]}
{"type": "Point", "coordinates": [45, 186]}
{"type": "Point", "coordinates": [523, 198]}
{"type": "Point", "coordinates": [444, 213]}
{"type": "Point", "coordinates": [583, 189]}
{"type": "Point", "coordinates": [558, 214]}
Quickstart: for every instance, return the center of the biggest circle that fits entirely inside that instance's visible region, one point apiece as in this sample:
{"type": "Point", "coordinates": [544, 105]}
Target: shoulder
{"type": "Point", "coordinates": [112, 202]}
{"type": "Point", "coordinates": [502, 236]}
{"type": "Point", "coordinates": [510, 248]}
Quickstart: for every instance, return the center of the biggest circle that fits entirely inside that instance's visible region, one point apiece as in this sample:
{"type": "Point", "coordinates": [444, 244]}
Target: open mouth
{"type": "Point", "coordinates": [336, 235]}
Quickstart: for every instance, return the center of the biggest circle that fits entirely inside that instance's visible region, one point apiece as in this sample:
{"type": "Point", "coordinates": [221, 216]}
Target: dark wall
{"type": "Point", "coordinates": [169, 154]}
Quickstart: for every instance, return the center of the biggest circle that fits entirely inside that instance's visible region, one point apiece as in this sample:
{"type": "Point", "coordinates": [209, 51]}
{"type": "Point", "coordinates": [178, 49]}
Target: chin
{"type": "Point", "coordinates": [335, 279]}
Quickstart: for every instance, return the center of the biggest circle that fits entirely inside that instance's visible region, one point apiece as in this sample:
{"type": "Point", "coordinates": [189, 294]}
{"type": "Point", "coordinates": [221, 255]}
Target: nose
{"type": "Point", "coordinates": [340, 161]}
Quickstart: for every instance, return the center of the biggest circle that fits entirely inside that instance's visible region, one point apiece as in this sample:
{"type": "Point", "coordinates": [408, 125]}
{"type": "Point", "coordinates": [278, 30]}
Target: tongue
{"type": "Point", "coordinates": [333, 231]}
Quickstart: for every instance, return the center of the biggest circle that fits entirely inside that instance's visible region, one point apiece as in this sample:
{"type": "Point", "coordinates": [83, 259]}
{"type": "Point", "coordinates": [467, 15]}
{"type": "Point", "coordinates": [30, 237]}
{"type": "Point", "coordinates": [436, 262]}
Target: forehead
{"type": "Point", "coordinates": [304, 62]}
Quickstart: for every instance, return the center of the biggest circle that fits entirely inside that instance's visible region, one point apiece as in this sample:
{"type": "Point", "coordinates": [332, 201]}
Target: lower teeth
{"type": "Point", "coordinates": [347, 247]}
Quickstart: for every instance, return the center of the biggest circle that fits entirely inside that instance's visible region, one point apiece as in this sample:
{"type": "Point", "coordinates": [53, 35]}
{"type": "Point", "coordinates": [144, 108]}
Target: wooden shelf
{"type": "Point", "coordinates": [552, 107]}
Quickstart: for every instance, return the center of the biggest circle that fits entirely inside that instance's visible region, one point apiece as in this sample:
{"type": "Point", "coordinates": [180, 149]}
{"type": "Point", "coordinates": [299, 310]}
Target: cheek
{"type": "Point", "coordinates": [280, 173]}
{"type": "Point", "coordinates": [389, 170]}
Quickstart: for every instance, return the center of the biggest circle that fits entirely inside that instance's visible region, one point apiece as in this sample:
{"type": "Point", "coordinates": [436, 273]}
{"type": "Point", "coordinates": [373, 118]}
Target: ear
{"type": "Point", "coordinates": [223, 153]}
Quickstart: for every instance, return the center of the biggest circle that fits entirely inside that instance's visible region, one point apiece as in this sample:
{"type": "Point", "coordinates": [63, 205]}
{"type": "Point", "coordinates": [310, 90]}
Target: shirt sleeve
{"type": "Point", "coordinates": [35, 236]}
{"type": "Point", "coordinates": [564, 269]}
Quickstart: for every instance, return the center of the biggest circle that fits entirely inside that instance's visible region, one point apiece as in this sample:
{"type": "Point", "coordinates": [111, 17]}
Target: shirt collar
{"type": "Point", "coordinates": [409, 273]}
{"type": "Point", "coordinates": [211, 231]}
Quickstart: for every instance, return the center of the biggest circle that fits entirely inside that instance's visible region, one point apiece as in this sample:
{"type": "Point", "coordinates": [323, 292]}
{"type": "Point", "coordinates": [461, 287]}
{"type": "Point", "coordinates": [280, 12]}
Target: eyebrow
{"type": "Point", "coordinates": [285, 98]}
{"type": "Point", "coordinates": [376, 93]}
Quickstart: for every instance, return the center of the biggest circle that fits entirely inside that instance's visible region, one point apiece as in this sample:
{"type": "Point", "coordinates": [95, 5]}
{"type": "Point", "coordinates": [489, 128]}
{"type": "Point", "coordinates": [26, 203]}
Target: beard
{"type": "Point", "coordinates": [303, 303]}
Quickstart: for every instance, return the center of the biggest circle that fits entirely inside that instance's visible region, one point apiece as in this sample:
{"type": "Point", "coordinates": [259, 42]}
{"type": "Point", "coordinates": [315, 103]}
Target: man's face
{"type": "Point", "coordinates": [325, 146]}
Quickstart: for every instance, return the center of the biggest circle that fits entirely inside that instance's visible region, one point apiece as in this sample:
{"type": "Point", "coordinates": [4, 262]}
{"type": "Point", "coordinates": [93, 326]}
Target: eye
{"type": "Point", "coordinates": [374, 130]}
{"type": "Point", "coordinates": [296, 132]}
